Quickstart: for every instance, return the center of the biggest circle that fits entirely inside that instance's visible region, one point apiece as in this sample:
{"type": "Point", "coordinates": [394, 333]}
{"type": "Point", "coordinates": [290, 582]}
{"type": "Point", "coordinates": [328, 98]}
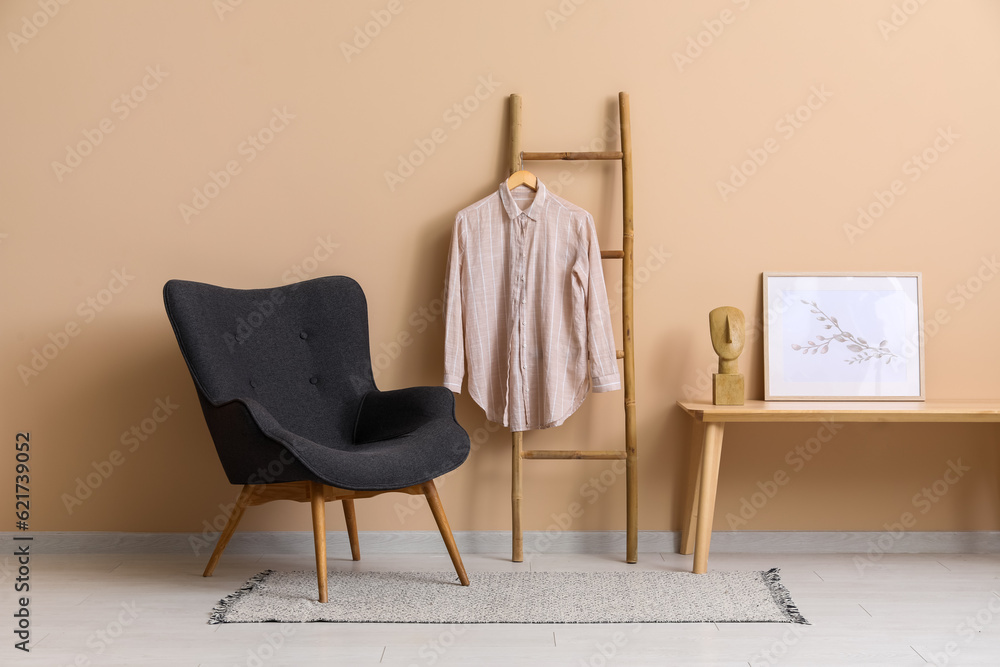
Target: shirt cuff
{"type": "Point", "coordinates": [453, 382]}
{"type": "Point", "coordinates": [609, 382]}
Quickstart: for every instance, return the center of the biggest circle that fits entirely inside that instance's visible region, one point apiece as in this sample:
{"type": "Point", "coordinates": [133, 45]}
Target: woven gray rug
{"type": "Point", "coordinates": [513, 597]}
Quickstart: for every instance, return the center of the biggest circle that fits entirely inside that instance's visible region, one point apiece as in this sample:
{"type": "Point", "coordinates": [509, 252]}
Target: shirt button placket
{"type": "Point", "coordinates": [524, 343]}
{"type": "Point", "coordinates": [522, 288]}
{"type": "Point", "coordinates": [525, 402]}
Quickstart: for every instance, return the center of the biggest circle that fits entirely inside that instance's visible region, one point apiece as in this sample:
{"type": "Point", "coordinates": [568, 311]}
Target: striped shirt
{"type": "Point", "coordinates": [526, 308]}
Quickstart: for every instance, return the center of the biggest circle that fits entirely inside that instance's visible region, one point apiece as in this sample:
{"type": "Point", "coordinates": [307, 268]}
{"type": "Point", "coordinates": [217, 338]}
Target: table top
{"type": "Point", "coordinates": [957, 410]}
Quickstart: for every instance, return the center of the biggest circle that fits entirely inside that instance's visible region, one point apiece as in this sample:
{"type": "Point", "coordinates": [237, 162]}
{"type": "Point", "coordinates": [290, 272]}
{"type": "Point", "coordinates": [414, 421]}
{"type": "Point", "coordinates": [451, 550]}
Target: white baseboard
{"type": "Point", "coordinates": [498, 542]}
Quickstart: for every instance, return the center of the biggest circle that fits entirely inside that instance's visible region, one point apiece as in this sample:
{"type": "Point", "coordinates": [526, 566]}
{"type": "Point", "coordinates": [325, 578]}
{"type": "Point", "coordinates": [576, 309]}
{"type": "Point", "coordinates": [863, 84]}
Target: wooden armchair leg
{"type": "Point", "coordinates": [352, 527]}
{"type": "Point", "coordinates": [318, 501]}
{"type": "Point", "coordinates": [430, 492]}
{"type": "Point", "coordinates": [234, 519]}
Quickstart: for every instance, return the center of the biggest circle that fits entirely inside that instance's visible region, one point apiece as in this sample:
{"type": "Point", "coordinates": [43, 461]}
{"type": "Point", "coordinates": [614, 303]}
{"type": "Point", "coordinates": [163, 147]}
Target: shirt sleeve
{"type": "Point", "coordinates": [454, 332]}
{"type": "Point", "coordinates": [600, 339]}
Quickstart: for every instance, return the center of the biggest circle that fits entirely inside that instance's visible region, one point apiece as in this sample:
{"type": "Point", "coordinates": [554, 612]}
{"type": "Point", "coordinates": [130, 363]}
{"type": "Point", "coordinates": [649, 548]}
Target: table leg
{"type": "Point", "coordinates": [711, 456]}
{"type": "Point", "coordinates": [694, 487]}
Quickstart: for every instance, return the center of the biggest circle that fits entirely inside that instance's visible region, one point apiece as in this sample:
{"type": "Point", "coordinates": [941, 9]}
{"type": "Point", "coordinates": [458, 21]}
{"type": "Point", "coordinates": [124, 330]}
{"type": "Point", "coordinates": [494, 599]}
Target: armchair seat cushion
{"type": "Point", "coordinates": [289, 370]}
{"type": "Point", "coordinates": [389, 414]}
{"type": "Point", "coordinates": [431, 450]}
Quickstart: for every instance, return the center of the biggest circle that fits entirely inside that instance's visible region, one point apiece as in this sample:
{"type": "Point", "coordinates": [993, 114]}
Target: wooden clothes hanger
{"type": "Point", "coordinates": [522, 177]}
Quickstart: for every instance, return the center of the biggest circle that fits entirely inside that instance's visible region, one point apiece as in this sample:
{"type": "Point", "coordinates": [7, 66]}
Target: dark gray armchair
{"type": "Point", "coordinates": [285, 382]}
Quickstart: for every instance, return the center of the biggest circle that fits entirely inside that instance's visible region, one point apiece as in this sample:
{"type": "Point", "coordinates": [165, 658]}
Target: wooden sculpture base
{"type": "Point", "coordinates": [727, 389]}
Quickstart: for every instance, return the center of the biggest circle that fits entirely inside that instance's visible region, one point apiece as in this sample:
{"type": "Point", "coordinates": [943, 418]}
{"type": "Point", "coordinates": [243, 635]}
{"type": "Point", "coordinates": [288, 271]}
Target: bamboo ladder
{"type": "Point", "coordinates": [629, 454]}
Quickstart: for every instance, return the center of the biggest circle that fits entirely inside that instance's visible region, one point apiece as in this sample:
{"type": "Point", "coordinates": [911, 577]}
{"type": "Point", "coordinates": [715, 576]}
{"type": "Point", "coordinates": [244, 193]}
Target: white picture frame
{"type": "Point", "coordinates": [843, 337]}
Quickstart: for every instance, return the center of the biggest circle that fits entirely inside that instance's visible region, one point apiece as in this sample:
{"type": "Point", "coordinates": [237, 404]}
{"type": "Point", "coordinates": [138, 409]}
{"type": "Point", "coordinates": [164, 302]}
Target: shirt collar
{"type": "Point", "coordinates": [534, 210]}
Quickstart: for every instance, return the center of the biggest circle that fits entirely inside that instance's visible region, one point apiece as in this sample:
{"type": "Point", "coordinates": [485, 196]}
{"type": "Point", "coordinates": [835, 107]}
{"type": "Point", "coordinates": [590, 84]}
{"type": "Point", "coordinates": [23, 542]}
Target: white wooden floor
{"type": "Point", "coordinates": [905, 609]}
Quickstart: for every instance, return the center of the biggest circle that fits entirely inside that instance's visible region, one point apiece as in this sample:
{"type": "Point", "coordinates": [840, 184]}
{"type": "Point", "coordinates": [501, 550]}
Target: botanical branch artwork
{"type": "Point", "coordinates": [863, 351]}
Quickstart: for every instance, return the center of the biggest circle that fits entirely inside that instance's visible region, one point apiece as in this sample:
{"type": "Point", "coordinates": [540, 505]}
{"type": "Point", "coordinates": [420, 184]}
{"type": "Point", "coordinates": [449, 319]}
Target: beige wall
{"type": "Point", "coordinates": [200, 80]}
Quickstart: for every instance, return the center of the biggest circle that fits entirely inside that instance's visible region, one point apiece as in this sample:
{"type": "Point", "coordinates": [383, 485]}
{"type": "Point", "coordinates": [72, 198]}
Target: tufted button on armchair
{"type": "Point", "coordinates": [285, 383]}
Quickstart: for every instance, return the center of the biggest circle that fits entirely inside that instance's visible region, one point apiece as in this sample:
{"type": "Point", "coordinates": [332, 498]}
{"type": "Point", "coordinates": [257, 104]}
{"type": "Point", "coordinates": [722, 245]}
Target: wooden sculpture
{"type": "Point", "coordinates": [728, 327]}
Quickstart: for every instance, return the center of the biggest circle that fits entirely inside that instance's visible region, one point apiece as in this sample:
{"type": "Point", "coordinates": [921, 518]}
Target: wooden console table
{"type": "Point", "coordinates": [697, 534]}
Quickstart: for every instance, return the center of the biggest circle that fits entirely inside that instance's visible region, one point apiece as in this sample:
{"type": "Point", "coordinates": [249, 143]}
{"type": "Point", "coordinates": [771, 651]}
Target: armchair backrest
{"type": "Point", "coordinates": [300, 350]}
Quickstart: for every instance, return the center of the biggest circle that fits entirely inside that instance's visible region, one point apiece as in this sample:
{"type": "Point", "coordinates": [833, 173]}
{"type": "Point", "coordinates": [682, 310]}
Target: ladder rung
{"type": "Point", "coordinates": [570, 454]}
{"type": "Point", "coordinates": [573, 155]}
{"type": "Point", "coordinates": [619, 354]}
{"type": "Point", "coordinates": [612, 254]}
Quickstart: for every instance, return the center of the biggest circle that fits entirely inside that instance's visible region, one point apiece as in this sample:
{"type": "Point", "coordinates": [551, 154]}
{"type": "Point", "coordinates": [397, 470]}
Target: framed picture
{"type": "Point", "coordinates": [843, 336]}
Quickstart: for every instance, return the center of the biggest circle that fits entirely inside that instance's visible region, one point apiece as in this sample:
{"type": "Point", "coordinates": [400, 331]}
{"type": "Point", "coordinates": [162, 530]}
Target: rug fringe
{"type": "Point", "coordinates": [219, 611]}
{"type": "Point", "coordinates": [782, 597]}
